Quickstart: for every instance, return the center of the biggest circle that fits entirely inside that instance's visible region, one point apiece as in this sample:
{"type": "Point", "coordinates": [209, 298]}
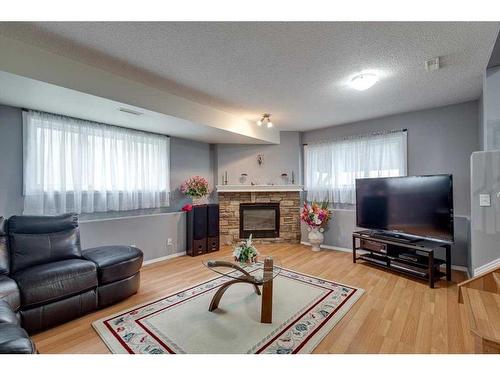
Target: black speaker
{"type": "Point", "coordinates": [213, 227]}
{"type": "Point", "coordinates": [196, 225]}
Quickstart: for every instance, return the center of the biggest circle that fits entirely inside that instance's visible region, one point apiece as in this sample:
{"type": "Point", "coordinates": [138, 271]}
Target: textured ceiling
{"type": "Point", "coordinates": [296, 71]}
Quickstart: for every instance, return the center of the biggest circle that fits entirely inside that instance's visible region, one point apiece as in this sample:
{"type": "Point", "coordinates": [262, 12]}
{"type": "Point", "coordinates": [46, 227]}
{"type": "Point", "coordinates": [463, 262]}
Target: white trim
{"type": "Point", "coordinates": [130, 217]}
{"type": "Point", "coordinates": [487, 267]}
{"type": "Point", "coordinates": [346, 250]}
{"type": "Point", "coordinates": [160, 259]}
{"type": "Point", "coordinates": [329, 247]}
{"type": "Point", "coordinates": [256, 188]}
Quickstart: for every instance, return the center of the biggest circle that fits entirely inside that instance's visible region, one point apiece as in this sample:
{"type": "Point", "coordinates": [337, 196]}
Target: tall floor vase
{"type": "Point", "coordinates": [316, 238]}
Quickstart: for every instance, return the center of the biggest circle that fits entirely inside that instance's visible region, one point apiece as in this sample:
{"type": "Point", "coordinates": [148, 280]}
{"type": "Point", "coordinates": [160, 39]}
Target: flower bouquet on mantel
{"type": "Point", "coordinates": [316, 216]}
{"type": "Point", "coordinates": [197, 188]}
{"type": "Point", "coordinates": [245, 252]}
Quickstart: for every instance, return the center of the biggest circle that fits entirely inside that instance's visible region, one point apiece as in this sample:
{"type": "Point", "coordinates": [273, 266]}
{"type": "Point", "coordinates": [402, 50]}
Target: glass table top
{"type": "Point", "coordinates": [252, 272]}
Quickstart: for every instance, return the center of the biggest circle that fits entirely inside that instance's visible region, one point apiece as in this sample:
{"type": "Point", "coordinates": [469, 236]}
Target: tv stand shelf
{"type": "Point", "coordinates": [413, 258]}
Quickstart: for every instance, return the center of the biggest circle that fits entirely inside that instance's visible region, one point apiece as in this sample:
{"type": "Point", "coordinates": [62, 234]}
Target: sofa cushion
{"type": "Point", "coordinates": [43, 239]}
{"type": "Point", "coordinates": [4, 251]}
{"type": "Point", "coordinates": [9, 292]}
{"type": "Point", "coordinates": [54, 281]}
{"type": "Point", "coordinates": [15, 340]}
{"type": "Point", "coordinates": [114, 262]}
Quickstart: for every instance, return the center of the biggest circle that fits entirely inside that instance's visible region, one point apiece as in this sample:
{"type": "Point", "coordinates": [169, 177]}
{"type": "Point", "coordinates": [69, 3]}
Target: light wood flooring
{"type": "Point", "coordinates": [395, 315]}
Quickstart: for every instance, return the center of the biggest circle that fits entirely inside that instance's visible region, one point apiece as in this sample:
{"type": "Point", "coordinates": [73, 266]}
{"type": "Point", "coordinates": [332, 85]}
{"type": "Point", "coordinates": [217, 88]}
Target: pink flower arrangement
{"type": "Point", "coordinates": [195, 187]}
{"type": "Point", "coordinates": [315, 215]}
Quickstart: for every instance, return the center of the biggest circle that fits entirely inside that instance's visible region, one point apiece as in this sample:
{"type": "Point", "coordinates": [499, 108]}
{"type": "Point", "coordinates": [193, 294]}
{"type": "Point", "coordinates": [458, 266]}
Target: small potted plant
{"type": "Point", "coordinates": [197, 188]}
{"type": "Point", "coordinates": [316, 216]}
{"type": "Point", "coordinates": [245, 252]}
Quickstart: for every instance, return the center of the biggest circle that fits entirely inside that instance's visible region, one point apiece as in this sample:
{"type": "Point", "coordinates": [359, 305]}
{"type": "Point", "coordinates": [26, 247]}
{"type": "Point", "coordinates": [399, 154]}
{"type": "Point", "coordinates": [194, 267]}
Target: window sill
{"type": "Point", "coordinates": [128, 217]}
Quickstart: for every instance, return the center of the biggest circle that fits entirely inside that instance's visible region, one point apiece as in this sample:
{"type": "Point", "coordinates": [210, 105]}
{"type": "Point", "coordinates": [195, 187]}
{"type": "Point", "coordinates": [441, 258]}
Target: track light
{"type": "Point", "coordinates": [265, 119]}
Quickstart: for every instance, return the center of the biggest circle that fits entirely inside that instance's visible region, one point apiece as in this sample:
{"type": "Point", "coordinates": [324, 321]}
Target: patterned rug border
{"type": "Point", "coordinates": [310, 344]}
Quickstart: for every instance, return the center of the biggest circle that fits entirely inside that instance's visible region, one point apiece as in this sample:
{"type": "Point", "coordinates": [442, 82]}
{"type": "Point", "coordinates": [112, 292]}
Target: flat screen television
{"type": "Point", "coordinates": [416, 206]}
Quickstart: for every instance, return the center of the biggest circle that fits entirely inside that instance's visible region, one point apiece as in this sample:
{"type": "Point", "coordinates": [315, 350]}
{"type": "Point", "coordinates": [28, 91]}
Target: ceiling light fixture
{"type": "Point", "coordinates": [265, 119]}
{"type": "Point", "coordinates": [363, 81]}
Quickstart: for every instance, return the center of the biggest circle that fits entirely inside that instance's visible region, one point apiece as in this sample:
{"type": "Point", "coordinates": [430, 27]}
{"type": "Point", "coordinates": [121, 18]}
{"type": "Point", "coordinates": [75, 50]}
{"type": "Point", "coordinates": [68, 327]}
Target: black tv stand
{"type": "Point", "coordinates": [415, 258]}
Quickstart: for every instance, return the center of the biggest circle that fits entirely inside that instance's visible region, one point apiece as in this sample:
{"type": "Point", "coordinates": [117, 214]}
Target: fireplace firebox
{"type": "Point", "coordinates": [261, 220]}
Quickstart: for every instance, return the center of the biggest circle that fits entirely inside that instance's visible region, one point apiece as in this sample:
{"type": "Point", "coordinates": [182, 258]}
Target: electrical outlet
{"type": "Point", "coordinates": [484, 200]}
{"type": "Point", "coordinates": [170, 246]}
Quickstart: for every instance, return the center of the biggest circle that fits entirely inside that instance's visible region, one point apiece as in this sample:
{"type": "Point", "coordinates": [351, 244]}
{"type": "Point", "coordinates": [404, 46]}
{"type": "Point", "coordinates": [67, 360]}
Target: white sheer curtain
{"type": "Point", "coordinates": [73, 165]}
{"type": "Point", "coordinates": [331, 168]}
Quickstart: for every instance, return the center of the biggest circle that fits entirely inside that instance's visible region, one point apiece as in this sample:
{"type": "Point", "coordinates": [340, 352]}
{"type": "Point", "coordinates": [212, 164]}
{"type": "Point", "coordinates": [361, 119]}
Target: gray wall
{"type": "Point", "coordinates": [11, 161]}
{"type": "Point", "coordinates": [480, 130]}
{"type": "Point", "coordinates": [148, 232]}
{"type": "Point", "coordinates": [238, 159]}
{"type": "Point", "coordinates": [485, 223]}
{"type": "Point", "coordinates": [440, 140]}
{"type": "Point", "coordinates": [187, 158]}
{"type": "Point", "coordinates": [491, 109]}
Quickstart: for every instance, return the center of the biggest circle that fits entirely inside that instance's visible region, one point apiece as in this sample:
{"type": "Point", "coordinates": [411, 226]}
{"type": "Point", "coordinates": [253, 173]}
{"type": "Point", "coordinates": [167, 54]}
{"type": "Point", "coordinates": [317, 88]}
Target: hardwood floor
{"type": "Point", "coordinates": [395, 315]}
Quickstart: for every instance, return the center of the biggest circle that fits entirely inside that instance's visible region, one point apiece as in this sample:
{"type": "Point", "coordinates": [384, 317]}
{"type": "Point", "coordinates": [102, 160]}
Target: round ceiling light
{"type": "Point", "coordinates": [363, 81]}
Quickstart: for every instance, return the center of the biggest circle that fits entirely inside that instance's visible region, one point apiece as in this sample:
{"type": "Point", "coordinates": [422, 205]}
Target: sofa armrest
{"type": "Point", "coordinates": [115, 262]}
{"type": "Point", "coordinates": [7, 315]}
{"type": "Point", "coordinates": [9, 292]}
{"type": "Point", "coordinates": [15, 340]}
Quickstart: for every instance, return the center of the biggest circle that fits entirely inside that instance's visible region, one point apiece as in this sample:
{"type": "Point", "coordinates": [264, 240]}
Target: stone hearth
{"type": "Point", "coordinates": [229, 224]}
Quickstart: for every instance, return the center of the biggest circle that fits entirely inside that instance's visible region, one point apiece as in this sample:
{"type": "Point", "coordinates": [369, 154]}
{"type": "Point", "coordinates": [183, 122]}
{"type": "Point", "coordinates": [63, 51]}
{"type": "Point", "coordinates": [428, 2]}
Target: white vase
{"type": "Point", "coordinates": [200, 201]}
{"type": "Point", "coordinates": [316, 238]}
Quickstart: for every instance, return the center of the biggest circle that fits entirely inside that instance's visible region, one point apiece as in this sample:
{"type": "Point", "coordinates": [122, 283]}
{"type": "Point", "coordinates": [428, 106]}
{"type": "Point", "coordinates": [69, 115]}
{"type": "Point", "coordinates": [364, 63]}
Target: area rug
{"type": "Point", "coordinates": [305, 309]}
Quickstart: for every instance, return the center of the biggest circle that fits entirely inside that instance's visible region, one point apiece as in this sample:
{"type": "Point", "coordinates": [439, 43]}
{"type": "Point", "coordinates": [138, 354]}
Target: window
{"type": "Point", "coordinates": [73, 165]}
{"type": "Point", "coordinates": [331, 168]}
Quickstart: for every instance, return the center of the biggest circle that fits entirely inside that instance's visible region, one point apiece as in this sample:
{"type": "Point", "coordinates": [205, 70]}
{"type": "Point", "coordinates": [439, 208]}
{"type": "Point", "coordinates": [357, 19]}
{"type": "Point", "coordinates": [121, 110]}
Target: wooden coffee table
{"type": "Point", "coordinates": [261, 273]}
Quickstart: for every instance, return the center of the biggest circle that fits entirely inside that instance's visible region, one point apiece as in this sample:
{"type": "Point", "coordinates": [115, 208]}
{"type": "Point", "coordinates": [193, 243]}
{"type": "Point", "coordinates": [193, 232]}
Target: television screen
{"type": "Point", "coordinates": [421, 206]}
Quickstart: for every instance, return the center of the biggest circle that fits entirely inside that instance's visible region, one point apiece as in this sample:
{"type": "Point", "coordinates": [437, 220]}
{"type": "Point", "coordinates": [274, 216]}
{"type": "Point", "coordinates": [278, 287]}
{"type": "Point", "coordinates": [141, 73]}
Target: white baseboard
{"type": "Point", "coordinates": [487, 267]}
{"type": "Point", "coordinates": [156, 260]}
{"type": "Point", "coordinates": [345, 249]}
{"type": "Point", "coordinates": [328, 247]}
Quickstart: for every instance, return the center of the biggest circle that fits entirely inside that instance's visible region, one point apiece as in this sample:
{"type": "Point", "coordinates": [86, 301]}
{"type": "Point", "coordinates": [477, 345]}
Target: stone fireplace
{"type": "Point", "coordinates": [271, 216]}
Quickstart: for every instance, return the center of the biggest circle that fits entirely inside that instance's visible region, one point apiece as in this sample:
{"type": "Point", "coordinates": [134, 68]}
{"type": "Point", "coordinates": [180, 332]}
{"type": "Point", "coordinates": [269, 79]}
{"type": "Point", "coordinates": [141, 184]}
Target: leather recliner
{"type": "Point", "coordinates": [46, 278]}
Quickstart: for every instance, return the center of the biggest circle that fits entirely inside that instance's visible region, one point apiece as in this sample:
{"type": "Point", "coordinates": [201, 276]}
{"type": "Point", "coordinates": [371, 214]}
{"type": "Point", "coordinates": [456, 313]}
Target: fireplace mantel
{"type": "Point", "coordinates": [256, 188]}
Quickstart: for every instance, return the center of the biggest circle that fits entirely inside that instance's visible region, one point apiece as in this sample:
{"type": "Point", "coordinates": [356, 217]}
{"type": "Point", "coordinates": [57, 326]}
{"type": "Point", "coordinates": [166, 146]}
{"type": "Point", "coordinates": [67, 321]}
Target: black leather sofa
{"type": "Point", "coordinates": [46, 279]}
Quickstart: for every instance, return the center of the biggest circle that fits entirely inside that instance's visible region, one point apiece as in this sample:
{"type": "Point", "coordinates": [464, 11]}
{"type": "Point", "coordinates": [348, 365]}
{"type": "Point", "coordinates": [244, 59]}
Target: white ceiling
{"type": "Point", "coordinates": [296, 71]}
